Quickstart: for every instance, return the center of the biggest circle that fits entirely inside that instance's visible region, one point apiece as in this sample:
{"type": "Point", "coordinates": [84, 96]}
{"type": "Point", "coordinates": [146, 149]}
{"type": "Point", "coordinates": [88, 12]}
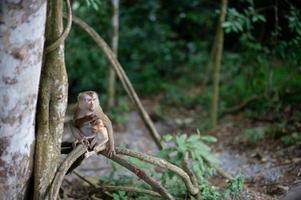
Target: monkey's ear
{"type": "Point", "coordinates": [96, 95]}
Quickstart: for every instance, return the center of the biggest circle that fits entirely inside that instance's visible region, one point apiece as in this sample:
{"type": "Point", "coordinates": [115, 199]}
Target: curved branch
{"type": "Point", "coordinates": [191, 174]}
{"type": "Point", "coordinates": [83, 178]}
{"type": "Point", "coordinates": [64, 35]}
{"type": "Point", "coordinates": [240, 106]}
{"type": "Point", "coordinates": [62, 170]}
{"type": "Point", "coordinates": [163, 164]}
{"type": "Point", "coordinates": [142, 175]}
{"type": "Point", "coordinates": [114, 188]}
{"type": "Point", "coordinates": [219, 170]}
{"type": "Point", "coordinates": [80, 150]}
{"type": "Point", "coordinates": [123, 78]}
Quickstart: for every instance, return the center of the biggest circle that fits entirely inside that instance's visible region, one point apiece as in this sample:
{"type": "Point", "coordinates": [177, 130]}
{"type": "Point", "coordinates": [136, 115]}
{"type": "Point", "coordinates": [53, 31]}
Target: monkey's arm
{"type": "Point", "coordinates": [75, 132]}
{"type": "Point", "coordinates": [99, 141]}
{"type": "Point", "coordinates": [108, 124]}
{"type": "Point", "coordinates": [77, 135]}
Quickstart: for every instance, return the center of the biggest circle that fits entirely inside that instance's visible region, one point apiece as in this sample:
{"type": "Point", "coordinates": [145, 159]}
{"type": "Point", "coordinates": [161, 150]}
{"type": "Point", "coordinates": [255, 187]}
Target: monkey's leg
{"type": "Point", "coordinates": [100, 141]}
{"type": "Point", "coordinates": [79, 138]}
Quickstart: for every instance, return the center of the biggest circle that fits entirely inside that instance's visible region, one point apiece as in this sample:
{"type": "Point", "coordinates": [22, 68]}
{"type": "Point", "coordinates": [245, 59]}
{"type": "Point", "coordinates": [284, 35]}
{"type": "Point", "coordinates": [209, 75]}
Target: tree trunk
{"type": "Point", "coordinates": [22, 25]}
{"type": "Point", "coordinates": [52, 104]}
{"type": "Point", "coordinates": [216, 61]}
{"type": "Point", "coordinates": [112, 75]}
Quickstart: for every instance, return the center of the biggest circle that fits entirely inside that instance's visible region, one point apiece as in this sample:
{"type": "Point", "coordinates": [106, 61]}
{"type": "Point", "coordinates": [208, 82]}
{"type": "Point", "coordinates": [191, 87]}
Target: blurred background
{"type": "Point", "coordinates": [167, 50]}
{"type": "Point", "coordinates": [165, 47]}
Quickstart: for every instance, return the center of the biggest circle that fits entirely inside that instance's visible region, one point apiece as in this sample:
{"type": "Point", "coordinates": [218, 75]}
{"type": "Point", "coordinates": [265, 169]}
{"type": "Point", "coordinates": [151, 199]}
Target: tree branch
{"type": "Point", "coordinates": [219, 170]}
{"type": "Point", "coordinates": [191, 174]}
{"type": "Point", "coordinates": [65, 34]}
{"type": "Point", "coordinates": [141, 174]}
{"type": "Point", "coordinates": [240, 106]}
{"type": "Point", "coordinates": [163, 164]}
{"type": "Point", "coordinates": [114, 188]}
{"type": "Point", "coordinates": [80, 150]}
{"type": "Point", "coordinates": [62, 170]}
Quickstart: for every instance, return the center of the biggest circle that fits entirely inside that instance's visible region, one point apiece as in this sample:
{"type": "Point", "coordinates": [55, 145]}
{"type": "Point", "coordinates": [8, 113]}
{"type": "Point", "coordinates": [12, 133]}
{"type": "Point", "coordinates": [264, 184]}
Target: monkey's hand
{"type": "Point", "coordinates": [84, 141]}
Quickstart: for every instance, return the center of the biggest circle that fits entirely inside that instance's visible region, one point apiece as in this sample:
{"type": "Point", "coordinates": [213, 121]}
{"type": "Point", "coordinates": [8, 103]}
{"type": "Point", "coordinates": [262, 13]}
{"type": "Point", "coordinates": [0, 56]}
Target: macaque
{"type": "Point", "coordinates": [94, 128]}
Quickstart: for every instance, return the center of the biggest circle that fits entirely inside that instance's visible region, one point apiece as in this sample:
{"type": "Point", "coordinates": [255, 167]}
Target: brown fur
{"type": "Point", "coordinates": [93, 123]}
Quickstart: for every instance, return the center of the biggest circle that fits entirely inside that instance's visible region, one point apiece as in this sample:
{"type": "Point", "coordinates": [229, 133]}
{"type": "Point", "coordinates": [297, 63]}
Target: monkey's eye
{"type": "Point", "coordinates": [87, 99]}
{"type": "Point", "coordinates": [94, 99]}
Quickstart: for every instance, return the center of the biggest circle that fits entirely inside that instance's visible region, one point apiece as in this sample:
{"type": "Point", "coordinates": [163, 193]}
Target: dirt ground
{"type": "Point", "coordinates": [270, 168]}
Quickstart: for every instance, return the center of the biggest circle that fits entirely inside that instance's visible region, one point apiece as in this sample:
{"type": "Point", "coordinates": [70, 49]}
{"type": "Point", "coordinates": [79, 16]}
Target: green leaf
{"type": "Point", "coordinates": [167, 137]}
{"type": "Point", "coordinates": [116, 196]}
{"type": "Point", "coordinates": [165, 152]}
{"type": "Point", "coordinates": [202, 148]}
{"type": "Point", "coordinates": [193, 138]}
{"type": "Point", "coordinates": [209, 138]}
{"type": "Point", "coordinates": [181, 142]}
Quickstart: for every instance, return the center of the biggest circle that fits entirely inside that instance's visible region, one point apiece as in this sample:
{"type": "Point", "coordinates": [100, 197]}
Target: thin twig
{"type": "Point", "coordinates": [219, 170]}
{"type": "Point", "coordinates": [240, 106]}
{"type": "Point", "coordinates": [163, 164]}
{"type": "Point", "coordinates": [130, 189]}
{"type": "Point", "coordinates": [84, 179]}
{"type": "Point", "coordinates": [114, 188]}
{"type": "Point", "coordinates": [123, 78]}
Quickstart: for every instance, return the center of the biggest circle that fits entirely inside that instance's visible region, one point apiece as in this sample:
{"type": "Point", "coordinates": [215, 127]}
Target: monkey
{"type": "Point", "coordinates": [93, 127]}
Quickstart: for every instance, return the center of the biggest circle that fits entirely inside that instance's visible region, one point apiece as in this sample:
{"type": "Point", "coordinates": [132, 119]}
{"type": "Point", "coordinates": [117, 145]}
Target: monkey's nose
{"type": "Point", "coordinates": [91, 107]}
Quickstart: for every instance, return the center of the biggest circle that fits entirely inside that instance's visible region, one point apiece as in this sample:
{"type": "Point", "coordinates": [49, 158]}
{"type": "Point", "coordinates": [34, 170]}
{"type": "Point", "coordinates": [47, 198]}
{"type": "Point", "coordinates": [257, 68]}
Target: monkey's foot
{"type": "Point", "coordinates": [110, 152]}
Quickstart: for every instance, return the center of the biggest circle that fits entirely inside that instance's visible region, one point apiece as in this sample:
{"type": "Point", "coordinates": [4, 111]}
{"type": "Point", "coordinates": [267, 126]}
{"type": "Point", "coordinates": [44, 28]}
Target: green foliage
{"type": "Point", "coordinates": [245, 22]}
{"type": "Point", "coordinates": [153, 50]}
{"type": "Point", "coordinates": [94, 3]}
{"type": "Point", "coordinates": [275, 131]}
{"type": "Point", "coordinates": [234, 187]}
{"type": "Point", "coordinates": [242, 22]}
{"type": "Point", "coordinates": [294, 138]}
{"type": "Point", "coordinates": [201, 154]}
{"type": "Point", "coordinates": [210, 192]}
{"type": "Point", "coordinates": [255, 134]}
{"type": "Point", "coordinates": [121, 195]}
{"type": "Point", "coordinates": [290, 49]}
{"type": "Point", "coordinates": [174, 152]}
{"type": "Point", "coordinates": [118, 113]}
{"type": "Point", "coordinates": [195, 146]}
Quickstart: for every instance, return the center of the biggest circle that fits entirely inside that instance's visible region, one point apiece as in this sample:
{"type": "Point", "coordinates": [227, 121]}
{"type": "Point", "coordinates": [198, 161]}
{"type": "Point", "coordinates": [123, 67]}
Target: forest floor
{"type": "Point", "coordinates": [269, 167]}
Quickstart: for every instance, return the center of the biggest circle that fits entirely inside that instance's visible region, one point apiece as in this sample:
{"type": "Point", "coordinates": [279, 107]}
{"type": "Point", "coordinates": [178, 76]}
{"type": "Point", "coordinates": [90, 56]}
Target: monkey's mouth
{"type": "Point", "coordinates": [91, 108]}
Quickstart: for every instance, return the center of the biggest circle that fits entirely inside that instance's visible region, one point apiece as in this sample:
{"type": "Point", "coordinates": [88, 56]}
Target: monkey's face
{"type": "Point", "coordinates": [88, 100]}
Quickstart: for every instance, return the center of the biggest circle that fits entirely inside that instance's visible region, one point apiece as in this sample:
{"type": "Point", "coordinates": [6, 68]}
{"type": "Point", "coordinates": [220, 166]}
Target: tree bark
{"type": "Point", "coordinates": [22, 26]}
{"type": "Point", "coordinates": [52, 104]}
{"type": "Point", "coordinates": [216, 61]}
{"type": "Point", "coordinates": [112, 75]}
